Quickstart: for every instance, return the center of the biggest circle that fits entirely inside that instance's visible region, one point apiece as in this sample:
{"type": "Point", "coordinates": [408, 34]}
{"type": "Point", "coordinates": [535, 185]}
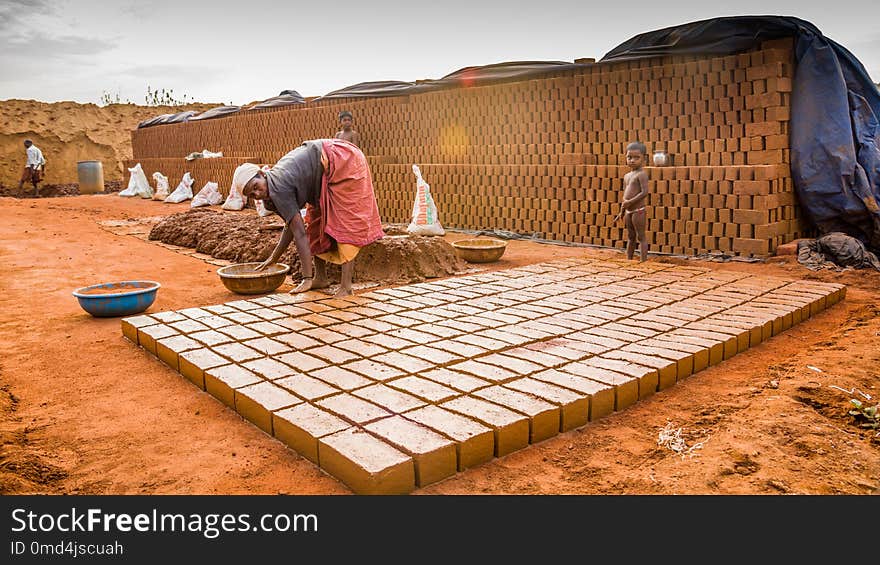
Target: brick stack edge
{"type": "Point", "coordinates": [546, 155]}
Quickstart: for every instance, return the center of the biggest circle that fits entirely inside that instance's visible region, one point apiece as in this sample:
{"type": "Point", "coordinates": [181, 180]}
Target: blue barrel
{"type": "Point", "coordinates": [91, 176]}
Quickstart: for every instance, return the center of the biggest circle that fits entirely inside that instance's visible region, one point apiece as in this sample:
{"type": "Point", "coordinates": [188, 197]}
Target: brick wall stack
{"type": "Point", "coordinates": [546, 154]}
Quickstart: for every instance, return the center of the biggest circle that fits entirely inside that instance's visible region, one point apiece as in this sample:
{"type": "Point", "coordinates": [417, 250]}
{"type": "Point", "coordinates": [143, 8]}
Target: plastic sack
{"type": "Point", "coordinates": [261, 209]}
{"type": "Point", "coordinates": [137, 184]}
{"type": "Point", "coordinates": [209, 195]}
{"type": "Point", "coordinates": [161, 186]}
{"type": "Point", "coordinates": [424, 215]}
{"type": "Point", "coordinates": [183, 190]}
{"type": "Point", "coordinates": [235, 200]}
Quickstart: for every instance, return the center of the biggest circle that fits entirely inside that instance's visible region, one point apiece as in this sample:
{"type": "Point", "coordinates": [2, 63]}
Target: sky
{"type": "Point", "coordinates": [237, 53]}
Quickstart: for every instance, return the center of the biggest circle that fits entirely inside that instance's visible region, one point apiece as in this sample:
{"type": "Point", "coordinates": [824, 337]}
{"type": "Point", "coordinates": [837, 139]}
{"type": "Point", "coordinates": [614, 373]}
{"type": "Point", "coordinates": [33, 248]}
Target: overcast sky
{"type": "Point", "coordinates": [236, 53]}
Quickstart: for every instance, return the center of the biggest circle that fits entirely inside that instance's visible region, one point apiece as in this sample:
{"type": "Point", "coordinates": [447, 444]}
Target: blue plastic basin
{"type": "Point", "coordinates": [118, 298]}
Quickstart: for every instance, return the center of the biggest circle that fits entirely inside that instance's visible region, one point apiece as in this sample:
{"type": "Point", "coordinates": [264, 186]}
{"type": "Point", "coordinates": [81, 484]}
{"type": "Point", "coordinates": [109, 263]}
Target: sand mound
{"type": "Point", "coordinates": [245, 237]}
{"type": "Point", "coordinates": [68, 132]}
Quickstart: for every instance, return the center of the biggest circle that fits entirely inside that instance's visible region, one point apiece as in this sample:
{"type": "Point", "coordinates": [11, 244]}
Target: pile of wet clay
{"type": "Point", "coordinates": [244, 237]}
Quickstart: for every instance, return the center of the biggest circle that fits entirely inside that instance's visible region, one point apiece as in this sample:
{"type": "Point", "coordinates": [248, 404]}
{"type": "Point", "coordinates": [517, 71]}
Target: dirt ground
{"type": "Point", "coordinates": [83, 411]}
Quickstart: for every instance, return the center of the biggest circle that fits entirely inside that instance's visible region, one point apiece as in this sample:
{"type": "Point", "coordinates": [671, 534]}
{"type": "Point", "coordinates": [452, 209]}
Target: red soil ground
{"type": "Point", "coordinates": [82, 410]}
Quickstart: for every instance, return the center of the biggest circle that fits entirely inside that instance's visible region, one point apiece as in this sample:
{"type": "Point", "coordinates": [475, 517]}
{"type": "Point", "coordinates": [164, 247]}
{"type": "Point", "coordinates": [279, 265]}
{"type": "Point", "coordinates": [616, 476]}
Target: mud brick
{"type": "Point", "coordinates": [481, 321]}
{"type": "Point", "coordinates": [605, 342]}
{"type": "Point", "coordinates": [647, 376]}
{"type": "Point", "coordinates": [302, 361]}
{"type": "Point", "coordinates": [617, 334]}
{"type": "Point", "coordinates": [373, 369]}
{"type": "Point", "coordinates": [334, 303]}
{"type": "Point", "coordinates": [168, 349]}
{"type": "Point", "coordinates": [267, 346]}
{"type": "Point", "coordinates": [412, 335]}
{"type": "Point", "coordinates": [366, 311]}
{"type": "Point", "coordinates": [131, 325]}
{"type": "Point", "coordinates": [502, 334]}
{"type": "Point", "coordinates": [332, 354]}
{"type": "Point", "coordinates": [437, 357]}
{"type": "Point", "coordinates": [437, 330]}
{"type": "Point", "coordinates": [389, 398]}
{"type": "Point", "coordinates": [740, 335]}
{"type": "Point", "coordinates": [634, 329]}
{"type": "Point", "coordinates": [459, 348]}
{"type": "Point", "coordinates": [424, 389]}
{"type": "Point", "coordinates": [715, 347]}
{"type": "Point", "coordinates": [307, 387]}
{"type": "Point", "coordinates": [511, 430]}
{"type": "Point", "coordinates": [353, 409]}
{"type": "Point", "coordinates": [486, 343]}
{"type": "Point", "coordinates": [434, 455]}
{"type": "Point", "coordinates": [626, 388]}
{"type": "Point", "coordinates": [388, 341]}
{"type": "Point", "coordinates": [426, 301]}
{"type": "Point", "coordinates": [461, 326]}
{"type": "Point", "coordinates": [340, 378]}
{"type": "Point", "coordinates": [684, 361]}
{"type": "Point", "coordinates": [324, 335]}
{"type": "Point", "coordinates": [341, 315]}
{"type": "Point", "coordinates": [267, 328]}
{"type": "Point", "coordinates": [540, 357]}
{"type": "Point", "coordinates": [216, 322]}
{"type": "Point", "coordinates": [374, 325]}
{"type": "Point", "coordinates": [236, 352]}
{"type": "Point", "coordinates": [221, 382]}
{"type": "Point", "coordinates": [291, 310]}
{"type": "Point", "coordinates": [544, 417]}
{"type": "Point", "coordinates": [168, 317]}
{"type": "Point", "coordinates": [484, 371]}
{"type": "Point", "coordinates": [756, 331]}
{"type": "Point", "coordinates": [361, 348]}
{"type": "Point", "coordinates": [601, 396]}
{"type": "Point", "coordinates": [350, 330]}
{"type": "Point", "coordinates": [292, 340]}
{"type": "Point", "coordinates": [321, 320]}
{"type": "Point", "coordinates": [570, 323]}
{"type": "Point", "coordinates": [405, 362]}
{"type": "Point", "coordinates": [315, 307]}
{"type": "Point", "coordinates": [267, 314]}
{"type": "Point", "coordinates": [671, 322]}
{"type": "Point", "coordinates": [366, 464]}
{"type": "Point", "coordinates": [220, 309]}
{"type": "Point", "coordinates": [543, 325]}
{"type": "Point", "coordinates": [530, 333]}
{"type": "Point", "coordinates": [294, 324]}
{"type": "Point", "coordinates": [523, 313]}
{"type": "Point", "coordinates": [667, 370]}
{"type": "Point", "coordinates": [516, 365]}
{"type": "Point", "coordinates": [573, 349]}
{"type": "Point", "coordinates": [453, 379]}
{"type": "Point", "coordinates": [699, 352]}
{"type": "Point", "coordinates": [194, 362]}
{"type": "Point", "coordinates": [574, 408]}
{"type": "Point", "coordinates": [211, 337]}
{"type": "Point", "coordinates": [389, 309]}
{"type": "Point", "coordinates": [301, 426]}
{"type": "Point", "coordinates": [269, 368]}
{"type": "Point", "coordinates": [149, 335]}
{"type": "Point", "coordinates": [423, 316]}
{"type": "Point", "coordinates": [255, 403]}
{"type": "Point", "coordinates": [242, 318]}
{"type": "Point", "coordinates": [474, 442]}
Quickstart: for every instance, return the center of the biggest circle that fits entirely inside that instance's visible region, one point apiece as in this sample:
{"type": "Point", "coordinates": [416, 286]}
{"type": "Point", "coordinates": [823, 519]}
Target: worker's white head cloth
{"type": "Point", "coordinates": [243, 173]}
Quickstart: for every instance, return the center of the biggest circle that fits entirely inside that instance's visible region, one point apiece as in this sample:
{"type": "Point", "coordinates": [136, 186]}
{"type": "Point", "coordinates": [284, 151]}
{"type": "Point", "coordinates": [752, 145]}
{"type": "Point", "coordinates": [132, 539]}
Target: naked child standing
{"type": "Point", "coordinates": [635, 197]}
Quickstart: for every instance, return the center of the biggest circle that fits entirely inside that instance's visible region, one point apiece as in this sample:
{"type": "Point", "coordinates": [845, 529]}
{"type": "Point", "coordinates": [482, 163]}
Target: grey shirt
{"type": "Point", "coordinates": [295, 180]}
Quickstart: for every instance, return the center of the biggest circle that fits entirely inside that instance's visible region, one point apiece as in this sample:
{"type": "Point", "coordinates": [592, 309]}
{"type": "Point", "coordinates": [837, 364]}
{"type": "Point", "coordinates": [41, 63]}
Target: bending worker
{"type": "Point", "coordinates": [331, 179]}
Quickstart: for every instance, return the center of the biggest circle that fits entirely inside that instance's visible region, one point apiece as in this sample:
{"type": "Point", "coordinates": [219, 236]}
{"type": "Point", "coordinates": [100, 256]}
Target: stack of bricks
{"type": "Point", "coordinates": [546, 154]}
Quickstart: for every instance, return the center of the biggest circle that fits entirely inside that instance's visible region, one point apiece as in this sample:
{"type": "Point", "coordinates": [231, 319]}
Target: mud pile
{"type": "Point", "coordinates": [54, 190]}
{"type": "Point", "coordinates": [245, 237]}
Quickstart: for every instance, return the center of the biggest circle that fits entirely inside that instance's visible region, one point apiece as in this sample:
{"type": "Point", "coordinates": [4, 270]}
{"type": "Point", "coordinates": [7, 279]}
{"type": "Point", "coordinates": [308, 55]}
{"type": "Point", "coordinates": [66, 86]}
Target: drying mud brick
{"type": "Point", "coordinates": [221, 382]}
{"type": "Point", "coordinates": [366, 464]}
{"type": "Point", "coordinates": [434, 456]}
{"type": "Point", "coordinates": [544, 417]}
{"type": "Point", "coordinates": [574, 409]}
{"type": "Point", "coordinates": [511, 429]}
{"type": "Point", "coordinates": [256, 403]}
{"type": "Point", "coordinates": [301, 426]}
{"type": "Point", "coordinates": [193, 364]}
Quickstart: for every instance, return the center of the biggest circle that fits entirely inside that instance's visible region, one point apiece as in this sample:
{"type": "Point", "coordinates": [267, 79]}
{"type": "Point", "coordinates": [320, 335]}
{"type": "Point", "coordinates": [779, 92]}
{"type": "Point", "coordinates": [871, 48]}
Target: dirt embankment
{"type": "Point", "coordinates": [68, 132]}
{"type": "Point", "coordinates": [244, 237]}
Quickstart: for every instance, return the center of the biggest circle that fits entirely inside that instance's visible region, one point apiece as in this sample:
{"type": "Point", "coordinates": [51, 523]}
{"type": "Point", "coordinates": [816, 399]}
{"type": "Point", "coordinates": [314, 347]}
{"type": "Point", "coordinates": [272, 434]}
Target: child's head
{"type": "Point", "coordinates": [345, 119]}
{"type": "Point", "coordinates": [635, 154]}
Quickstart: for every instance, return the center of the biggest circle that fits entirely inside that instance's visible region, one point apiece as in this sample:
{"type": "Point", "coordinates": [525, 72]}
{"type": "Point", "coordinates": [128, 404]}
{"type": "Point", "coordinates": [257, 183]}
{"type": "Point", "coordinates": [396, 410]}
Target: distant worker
{"type": "Point", "coordinates": [633, 209]}
{"type": "Point", "coordinates": [331, 179]}
{"type": "Point", "coordinates": [35, 167]}
{"type": "Point", "coordinates": [346, 120]}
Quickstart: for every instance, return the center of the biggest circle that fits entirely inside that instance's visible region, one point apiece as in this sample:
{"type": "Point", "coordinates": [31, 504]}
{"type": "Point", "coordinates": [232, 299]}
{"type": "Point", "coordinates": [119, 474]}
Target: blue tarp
{"type": "Point", "coordinates": [835, 159]}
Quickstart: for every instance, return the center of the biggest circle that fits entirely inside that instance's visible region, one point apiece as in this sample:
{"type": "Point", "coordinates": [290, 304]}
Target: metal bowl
{"type": "Point", "coordinates": [117, 298]}
{"type": "Point", "coordinates": [241, 278]}
{"type": "Point", "coordinates": [480, 250]}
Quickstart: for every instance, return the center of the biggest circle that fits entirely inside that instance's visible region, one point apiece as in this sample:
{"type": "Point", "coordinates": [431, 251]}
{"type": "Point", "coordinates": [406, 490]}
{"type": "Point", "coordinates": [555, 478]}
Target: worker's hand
{"type": "Point", "coordinates": [262, 266]}
{"type": "Point", "coordinates": [304, 286]}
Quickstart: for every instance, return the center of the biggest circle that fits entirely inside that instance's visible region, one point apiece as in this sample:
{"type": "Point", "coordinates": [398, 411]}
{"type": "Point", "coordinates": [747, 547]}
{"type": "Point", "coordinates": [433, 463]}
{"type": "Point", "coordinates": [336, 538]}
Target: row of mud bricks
{"type": "Point", "coordinates": [546, 155]}
{"type": "Point", "coordinates": [448, 374]}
